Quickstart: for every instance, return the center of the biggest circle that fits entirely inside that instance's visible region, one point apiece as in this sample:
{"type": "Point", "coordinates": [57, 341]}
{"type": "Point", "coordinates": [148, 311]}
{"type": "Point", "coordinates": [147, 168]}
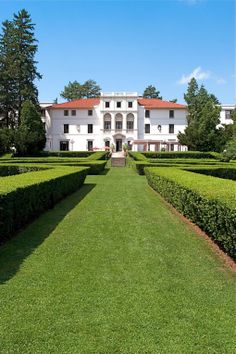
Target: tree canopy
{"type": "Point", "coordinates": [18, 71]}
{"type": "Point", "coordinates": [74, 90]}
{"type": "Point", "coordinates": [30, 136]}
{"type": "Point", "coordinates": [203, 118]}
{"type": "Point", "coordinates": [151, 92]}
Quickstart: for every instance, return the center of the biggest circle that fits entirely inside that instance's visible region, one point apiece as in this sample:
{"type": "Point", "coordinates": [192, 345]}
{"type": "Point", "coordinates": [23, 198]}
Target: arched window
{"type": "Point", "coordinates": [107, 121]}
{"type": "Point", "coordinates": [130, 121]}
{"type": "Point", "coordinates": [119, 121]}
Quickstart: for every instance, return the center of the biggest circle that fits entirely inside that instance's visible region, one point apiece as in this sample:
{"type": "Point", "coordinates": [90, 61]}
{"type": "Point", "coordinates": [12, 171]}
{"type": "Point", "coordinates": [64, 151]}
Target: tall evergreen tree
{"type": "Point", "coordinates": [203, 118]}
{"type": "Point", "coordinates": [151, 92]}
{"type": "Point", "coordinates": [7, 83]}
{"type": "Point", "coordinates": [25, 73]}
{"type": "Point", "coordinates": [18, 47]}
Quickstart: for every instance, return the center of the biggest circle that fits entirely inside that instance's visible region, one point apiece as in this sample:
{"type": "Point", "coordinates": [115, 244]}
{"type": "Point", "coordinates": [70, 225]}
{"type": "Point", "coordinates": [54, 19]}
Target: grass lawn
{"type": "Point", "coordinates": [111, 270]}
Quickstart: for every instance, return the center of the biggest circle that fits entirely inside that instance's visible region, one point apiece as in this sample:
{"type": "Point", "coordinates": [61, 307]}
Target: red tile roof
{"type": "Point", "coordinates": [155, 103]}
{"type": "Point", "coordinates": [84, 103]}
{"type": "Point", "coordinates": [89, 103]}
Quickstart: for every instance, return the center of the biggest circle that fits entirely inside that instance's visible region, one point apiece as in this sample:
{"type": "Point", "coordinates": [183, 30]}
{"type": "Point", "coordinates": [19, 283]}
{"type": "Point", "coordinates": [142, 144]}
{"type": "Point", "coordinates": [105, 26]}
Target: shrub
{"type": "Point", "coordinates": [220, 172]}
{"type": "Point", "coordinates": [206, 200]}
{"type": "Point", "coordinates": [24, 196]}
{"type": "Point", "coordinates": [181, 154]}
{"type": "Point", "coordinates": [137, 156]}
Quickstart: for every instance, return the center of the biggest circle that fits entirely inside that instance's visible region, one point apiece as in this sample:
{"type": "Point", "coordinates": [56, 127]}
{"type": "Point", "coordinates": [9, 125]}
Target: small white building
{"type": "Point", "coordinates": [115, 119]}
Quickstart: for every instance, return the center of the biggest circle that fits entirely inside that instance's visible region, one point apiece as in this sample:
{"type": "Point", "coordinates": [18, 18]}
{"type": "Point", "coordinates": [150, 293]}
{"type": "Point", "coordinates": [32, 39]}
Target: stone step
{"type": "Point", "coordinates": [118, 161]}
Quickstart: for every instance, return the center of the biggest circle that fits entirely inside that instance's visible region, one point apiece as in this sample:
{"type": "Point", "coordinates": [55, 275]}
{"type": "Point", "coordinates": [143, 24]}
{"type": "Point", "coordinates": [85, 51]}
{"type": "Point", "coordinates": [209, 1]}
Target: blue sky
{"type": "Point", "coordinates": [127, 45]}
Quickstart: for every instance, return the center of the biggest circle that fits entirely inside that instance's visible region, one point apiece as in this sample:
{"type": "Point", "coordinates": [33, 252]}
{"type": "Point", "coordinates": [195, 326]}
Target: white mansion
{"type": "Point", "coordinates": [115, 119]}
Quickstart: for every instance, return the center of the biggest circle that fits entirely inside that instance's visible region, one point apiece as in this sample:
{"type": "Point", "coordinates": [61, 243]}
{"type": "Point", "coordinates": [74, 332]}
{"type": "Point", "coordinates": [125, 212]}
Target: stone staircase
{"type": "Point", "coordinates": [118, 159]}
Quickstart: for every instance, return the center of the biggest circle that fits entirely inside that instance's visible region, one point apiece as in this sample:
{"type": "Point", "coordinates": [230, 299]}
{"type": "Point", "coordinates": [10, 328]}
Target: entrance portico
{"type": "Point", "coordinates": [119, 140]}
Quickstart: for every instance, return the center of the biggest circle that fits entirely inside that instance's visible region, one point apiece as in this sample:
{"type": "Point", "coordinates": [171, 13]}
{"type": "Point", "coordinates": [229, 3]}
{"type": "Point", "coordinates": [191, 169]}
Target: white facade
{"type": "Point", "coordinates": [112, 120]}
{"type": "Point", "coordinates": [225, 114]}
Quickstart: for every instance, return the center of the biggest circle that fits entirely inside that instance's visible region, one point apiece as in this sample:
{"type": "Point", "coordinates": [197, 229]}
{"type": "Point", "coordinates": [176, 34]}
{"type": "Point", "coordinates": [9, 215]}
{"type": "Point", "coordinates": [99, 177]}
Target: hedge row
{"type": "Point", "coordinates": [181, 154]}
{"type": "Point", "coordinates": [95, 167]}
{"type": "Point", "coordinates": [137, 156]}
{"type": "Point", "coordinates": [207, 201]}
{"type": "Point", "coordinates": [64, 154]}
{"type": "Point", "coordinates": [139, 166]}
{"type": "Point", "coordinates": [220, 172]}
{"type": "Point", "coordinates": [6, 171]}
{"type": "Point", "coordinates": [23, 197]}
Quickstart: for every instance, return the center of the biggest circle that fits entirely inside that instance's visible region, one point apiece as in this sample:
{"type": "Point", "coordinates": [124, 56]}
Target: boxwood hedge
{"type": "Point", "coordinates": [181, 154]}
{"type": "Point", "coordinates": [208, 201]}
{"type": "Point", "coordinates": [24, 196]}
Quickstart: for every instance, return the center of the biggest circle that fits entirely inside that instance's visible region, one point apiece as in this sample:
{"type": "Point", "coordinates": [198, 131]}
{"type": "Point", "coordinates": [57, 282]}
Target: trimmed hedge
{"type": "Point", "coordinates": [63, 154]}
{"type": "Point", "coordinates": [23, 197]}
{"type": "Point", "coordinates": [181, 154]}
{"type": "Point", "coordinates": [207, 201]}
{"type": "Point", "coordinates": [6, 171]}
{"type": "Point", "coordinates": [220, 172]}
{"type": "Point", "coordinates": [137, 156]}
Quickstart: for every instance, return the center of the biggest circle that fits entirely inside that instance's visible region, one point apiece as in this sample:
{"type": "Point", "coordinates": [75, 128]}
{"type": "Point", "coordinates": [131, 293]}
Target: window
{"type": "Point", "coordinates": [118, 104]}
{"type": "Point", "coordinates": [66, 128]}
{"type": "Point", "coordinates": [107, 125]}
{"type": "Point", "coordinates": [172, 147]}
{"type": "Point", "coordinates": [64, 145]}
{"type": "Point", "coordinates": [90, 128]}
{"type": "Point", "coordinates": [90, 112]}
{"type": "Point", "coordinates": [118, 124]}
{"type": "Point", "coordinates": [147, 113]}
{"type": "Point", "coordinates": [228, 114]}
{"type": "Point", "coordinates": [130, 104]}
{"type": "Point", "coordinates": [147, 128]}
{"type": "Point", "coordinates": [130, 125]}
{"type": "Point", "coordinates": [171, 128]}
{"type": "Point", "coordinates": [171, 113]}
{"type": "Point", "coordinates": [107, 104]}
{"type": "Point", "coordinates": [90, 145]}
{"type": "Point", "coordinates": [73, 112]}
{"type": "Point", "coordinates": [66, 112]}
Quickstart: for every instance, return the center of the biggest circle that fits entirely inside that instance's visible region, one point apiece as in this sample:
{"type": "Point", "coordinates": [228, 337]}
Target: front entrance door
{"type": "Point", "coordinates": [118, 144]}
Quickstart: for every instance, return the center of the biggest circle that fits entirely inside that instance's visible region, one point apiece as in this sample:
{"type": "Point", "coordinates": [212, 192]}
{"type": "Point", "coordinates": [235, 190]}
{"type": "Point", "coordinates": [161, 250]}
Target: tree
{"type": "Point", "coordinates": [7, 83]}
{"type": "Point", "coordinates": [203, 118]}
{"type": "Point", "coordinates": [74, 90]}
{"type": "Point", "coordinates": [30, 136]}
{"type": "Point", "coordinates": [151, 92]}
{"type": "Point", "coordinates": [174, 100]}
{"type": "Point", "coordinates": [6, 140]}
{"type": "Point", "coordinates": [17, 65]}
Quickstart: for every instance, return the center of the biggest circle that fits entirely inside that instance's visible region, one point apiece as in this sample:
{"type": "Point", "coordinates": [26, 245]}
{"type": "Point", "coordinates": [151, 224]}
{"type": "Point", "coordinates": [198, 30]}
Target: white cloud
{"type": "Point", "coordinates": [220, 81]}
{"type": "Point", "coordinates": [197, 73]}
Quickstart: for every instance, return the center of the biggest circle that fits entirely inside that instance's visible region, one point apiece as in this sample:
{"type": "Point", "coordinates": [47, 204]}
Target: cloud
{"type": "Point", "coordinates": [197, 73]}
{"type": "Point", "coordinates": [220, 81]}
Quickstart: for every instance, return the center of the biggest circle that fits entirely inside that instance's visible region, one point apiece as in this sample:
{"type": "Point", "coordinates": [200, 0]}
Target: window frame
{"type": "Point", "coordinates": [147, 113]}
{"type": "Point", "coordinates": [171, 111]}
{"type": "Point", "coordinates": [66, 128]}
{"type": "Point", "coordinates": [90, 142]}
{"type": "Point", "coordinates": [130, 104]}
{"type": "Point", "coordinates": [170, 128]}
{"type": "Point", "coordinates": [66, 112]}
{"type": "Point", "coordinates": [107, 104]}
{"type": "Point", "coordinates": [73, 112]}
{"type": "Point", "coordinates": [90, 127]}
{"type": "Point", "coordinates": [118, 104]}
{"type": "Point", "coordinates": [147, 125]}
{"type": "Point", "coordinates": [90, 112]}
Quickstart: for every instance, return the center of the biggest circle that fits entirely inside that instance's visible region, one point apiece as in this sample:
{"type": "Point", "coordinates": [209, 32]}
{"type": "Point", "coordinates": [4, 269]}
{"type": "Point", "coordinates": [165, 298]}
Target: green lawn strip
{"type": "Point", "coordinates": [111, 270]}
